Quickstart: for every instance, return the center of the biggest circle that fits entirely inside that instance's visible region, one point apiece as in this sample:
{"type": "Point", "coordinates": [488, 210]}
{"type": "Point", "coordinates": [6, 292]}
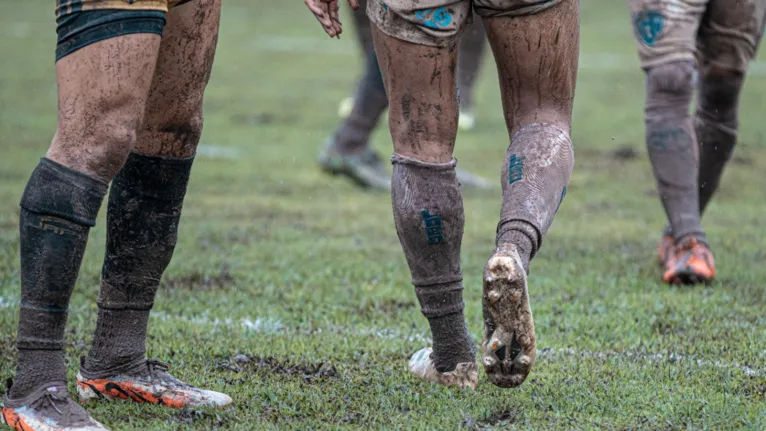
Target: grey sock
{"type": "Point", "coordinates": [536, 171]}
{"type": "Point", "coordinates": [672, 146]}
{"type": "Point", "coordinates": [716, 124]}
{"type": "Point", "coordinates": [370, 101]}
{"type": "Point", "coordinates": [473, 45]}
{"type": "Point", "coordinates": [429, 218]}
{"type": "Point", "coordinates": [142, 228]}
{"type": "Point", "coordinates": [363, 28]}
{"type": "Point", "coordinates": [57, 210]}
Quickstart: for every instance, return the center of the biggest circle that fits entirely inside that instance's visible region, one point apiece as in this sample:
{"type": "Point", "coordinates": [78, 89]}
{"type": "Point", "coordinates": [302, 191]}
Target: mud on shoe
{"type": "Point", "coordinates": [689, 262]}
{"type": "Point", "coordinates": [465, 374]}
{"type": "Point", "coordinates": [49, 408]}
{"type": "Point", "coordinates": [508, 349]}
{"type": "Point", "coordinates": [154, 385]}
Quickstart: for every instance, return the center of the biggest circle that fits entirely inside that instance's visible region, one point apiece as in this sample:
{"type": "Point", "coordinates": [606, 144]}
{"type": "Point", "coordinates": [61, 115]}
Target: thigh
{"type": "Point", "coordinates": [537, 80]}
{"type": "Point", "coordinates": [173, 119]}
{"type": "Point", "coordinates": [423, 22]}
{"type": "Point", "coordinates": [666, 30]}
{"type": "Point", "coordinates": [102, 92]}
{"type": "Point", "coordinates": [730, 33]}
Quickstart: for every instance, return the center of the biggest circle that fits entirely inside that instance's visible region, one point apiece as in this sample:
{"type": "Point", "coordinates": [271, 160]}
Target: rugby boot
{"type": "Point", "coordinates": [665, 248]}
{"type": "Point", "coordinates": [689, 262]}
{"type": "Point", "coordinates": [366, 170]}
{"type": "Point", "coordinates": [49, 408]}
{"type": "Point", "coordinates": [154, 385]}
{"type": "Point", "coordinates": [465, 374]}
{"type": "Point", "coordinates": [508, 349]}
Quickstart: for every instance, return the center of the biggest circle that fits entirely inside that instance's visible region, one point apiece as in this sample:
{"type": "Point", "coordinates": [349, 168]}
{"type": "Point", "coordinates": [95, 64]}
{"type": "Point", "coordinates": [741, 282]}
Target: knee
{"type": "Point", "coordinates": [719, 93]}
{"type": "Point", "coordinates": [99, 150]}
{"type": "Point", "coordinates": [176, 136]}
{"type": "Point", "coordinates": [669, 86]}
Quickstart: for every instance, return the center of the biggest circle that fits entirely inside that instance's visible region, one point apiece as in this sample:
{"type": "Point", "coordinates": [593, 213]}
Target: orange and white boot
{"type": "Point", "coordinates": [689, 262]}
{"type": "Point", "coordinates": [154, 386]}
{"type": "Point", "coordinates": [49, 408]}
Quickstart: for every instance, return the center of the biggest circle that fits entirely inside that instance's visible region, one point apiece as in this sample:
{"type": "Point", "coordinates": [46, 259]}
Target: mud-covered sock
{"type": "Point", "coordinates": [58, 208]}
{"type": "Point", "coordinates": [537, 168]}
{"type": "Point", "coordinates": [716, 123]}
{"type": "Point", "coordinates": [521, 234]}
{"type": "Point", "coordinates": [142, 228]}
{"type": "Point", "coordinates": [370, 101]}
{"type": "Point", "coordinates": [671, 143]}
{"type": "Point", "coordinates": [119, 344]}
{"type": "Point", "coordinates": [452, 341]}
{"type": "Point", "coordinates": [473, 45]}
{"type": "Point", "coordinates": [429, 218]}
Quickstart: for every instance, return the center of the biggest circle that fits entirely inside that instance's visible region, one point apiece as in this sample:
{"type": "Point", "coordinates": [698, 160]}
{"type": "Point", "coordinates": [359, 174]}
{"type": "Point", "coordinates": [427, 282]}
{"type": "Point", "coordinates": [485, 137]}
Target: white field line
{"type": "Point", "coordinates": [271, 326]}
{"type": "Point", "coordinates": [312, 45]}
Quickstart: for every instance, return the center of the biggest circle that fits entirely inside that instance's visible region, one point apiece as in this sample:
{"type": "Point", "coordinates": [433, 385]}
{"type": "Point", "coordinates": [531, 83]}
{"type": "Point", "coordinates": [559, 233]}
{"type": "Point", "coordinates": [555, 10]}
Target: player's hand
{"type": "Point", "coordinates": [326, 12]}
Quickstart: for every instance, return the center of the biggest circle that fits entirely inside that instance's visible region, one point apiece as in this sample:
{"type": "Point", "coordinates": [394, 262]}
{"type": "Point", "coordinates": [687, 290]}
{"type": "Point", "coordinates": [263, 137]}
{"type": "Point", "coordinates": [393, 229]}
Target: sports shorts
{"type": "Point", "coordinates": [439, 22]}
{"type": "Point", "coordinates": [724, 33]}
{"type": "Point", "coordinates": [80, 23]}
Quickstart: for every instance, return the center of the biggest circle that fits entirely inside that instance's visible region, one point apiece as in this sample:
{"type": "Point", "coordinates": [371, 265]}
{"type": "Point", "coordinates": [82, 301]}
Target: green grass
{"type": "Point", "coordinates": [295, 269]}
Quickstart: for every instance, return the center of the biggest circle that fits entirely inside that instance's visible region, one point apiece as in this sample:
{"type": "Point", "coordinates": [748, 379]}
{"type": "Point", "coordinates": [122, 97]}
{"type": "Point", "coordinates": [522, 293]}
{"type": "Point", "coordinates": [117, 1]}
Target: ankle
{"type": "Point", "coordinates": [452, 343]}
{"type": "Point", "coordinates": [36, 369]}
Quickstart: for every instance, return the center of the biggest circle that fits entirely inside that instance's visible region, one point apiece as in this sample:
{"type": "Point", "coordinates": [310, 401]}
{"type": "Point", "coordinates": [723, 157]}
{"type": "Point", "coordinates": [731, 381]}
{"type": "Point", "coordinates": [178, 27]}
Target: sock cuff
{"type": "Point", "coordinates": [56, 190]}
{"type": "Point", "coordinates": [440, 300]}
{"type": "Point", "coordinates": [156, 177]}
{"type": "Point", "coordinates": [398, 159]}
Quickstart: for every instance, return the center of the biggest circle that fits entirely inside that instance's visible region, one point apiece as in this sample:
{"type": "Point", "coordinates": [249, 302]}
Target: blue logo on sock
{"type": "Point", "coordinates": [434, 229]}
{"type": "Point", "coordinates": [649, 25]}
{"type": "Point", "coordinates": [563, 195]}
{"type": "Point", "coordinates": [515, 169]}
{"type": "Point", "coordinates": [434, 18]}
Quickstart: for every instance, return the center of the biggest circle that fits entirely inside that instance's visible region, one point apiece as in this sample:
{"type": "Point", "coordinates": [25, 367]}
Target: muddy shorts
{"type": "Point", "coordinates": [84, 22]}
{"type": "Point", "coordinates": [439, 22]}
{"type": "Point", "coordinates": [725, 33]}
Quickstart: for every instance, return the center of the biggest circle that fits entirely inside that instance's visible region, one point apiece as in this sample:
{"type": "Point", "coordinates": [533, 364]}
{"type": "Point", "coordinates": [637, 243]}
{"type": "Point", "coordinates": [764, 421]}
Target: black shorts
{"type": "Point", "coordinates": [84, 22]}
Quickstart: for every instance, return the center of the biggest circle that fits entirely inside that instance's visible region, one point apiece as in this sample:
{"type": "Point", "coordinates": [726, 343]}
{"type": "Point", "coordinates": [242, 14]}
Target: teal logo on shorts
{"type": "Point", "coordinates": [434, 18]}
{"type": "Point", "coordinates": [434, 229]}
{"type": "Point", "coordinates": [515, 168]}
{"type": "Point", "coordinates": [649, 25]}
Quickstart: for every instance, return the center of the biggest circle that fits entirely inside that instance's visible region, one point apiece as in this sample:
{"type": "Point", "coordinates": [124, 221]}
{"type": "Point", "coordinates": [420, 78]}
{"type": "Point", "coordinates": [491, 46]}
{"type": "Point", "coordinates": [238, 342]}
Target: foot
{"type": "Point", "coordinates": [49, 408]}
{"type": "Point", "coordinates": [153, 386]}
{"type": "Point", "coordinates": [508, 349]}
{"type": "Point", "coordinates": [689, 262]}
{"type": "Point", "coordinates": [345, 106]}
{"type": "Point", "coordinates": [665, 248]}
{"type": "Point", "coordinates": [465, 374]}
{"type": "Point", "coordinates": [467, 120]}
{"type": "Point", "coordinates": [366, 170]}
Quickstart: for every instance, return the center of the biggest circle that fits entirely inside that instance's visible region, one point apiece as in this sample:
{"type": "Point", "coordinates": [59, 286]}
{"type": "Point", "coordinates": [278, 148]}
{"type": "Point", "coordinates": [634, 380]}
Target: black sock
{"type": "Point", "coordinates": [142, 227]}
{"type": "Point", "coordinates": [58, 209]}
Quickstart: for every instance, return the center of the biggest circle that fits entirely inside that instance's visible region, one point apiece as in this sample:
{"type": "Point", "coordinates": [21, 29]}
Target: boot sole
{"type": "Point", "coordinates": [508, 349]}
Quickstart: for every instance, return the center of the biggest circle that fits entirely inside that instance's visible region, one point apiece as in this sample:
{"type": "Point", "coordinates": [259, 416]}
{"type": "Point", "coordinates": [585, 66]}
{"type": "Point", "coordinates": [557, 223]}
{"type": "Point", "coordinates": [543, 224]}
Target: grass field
{"type": "Point", "coordinates": [289, 291]}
